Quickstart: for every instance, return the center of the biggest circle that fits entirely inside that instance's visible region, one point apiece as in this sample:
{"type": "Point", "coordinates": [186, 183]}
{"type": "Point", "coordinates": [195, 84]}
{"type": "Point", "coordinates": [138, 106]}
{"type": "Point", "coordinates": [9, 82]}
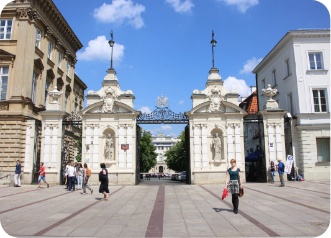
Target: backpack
{"type": "Point", "coordinates": [282, 168]}
{"type": "Point", "coordinates": [88, 173]}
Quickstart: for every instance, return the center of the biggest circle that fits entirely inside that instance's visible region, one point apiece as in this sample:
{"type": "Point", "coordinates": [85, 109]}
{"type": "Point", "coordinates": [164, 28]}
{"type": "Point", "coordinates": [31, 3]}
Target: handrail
{"type": "Point", "coordinates": [5, 176]}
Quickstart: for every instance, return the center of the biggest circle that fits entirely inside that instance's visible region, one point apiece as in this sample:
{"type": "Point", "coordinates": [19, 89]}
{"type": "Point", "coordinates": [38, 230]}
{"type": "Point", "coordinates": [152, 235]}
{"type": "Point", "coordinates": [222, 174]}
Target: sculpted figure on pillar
{"type": "Point", "coordinates": [108, 147]}
{"type": "Point", "coordinates": [217, 146]}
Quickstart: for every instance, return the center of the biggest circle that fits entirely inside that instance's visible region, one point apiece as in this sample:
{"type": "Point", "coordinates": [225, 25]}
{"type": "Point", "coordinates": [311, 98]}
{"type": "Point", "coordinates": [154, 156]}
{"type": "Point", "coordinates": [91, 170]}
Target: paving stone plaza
{"type": "Point", "coordinates": [164, 208]}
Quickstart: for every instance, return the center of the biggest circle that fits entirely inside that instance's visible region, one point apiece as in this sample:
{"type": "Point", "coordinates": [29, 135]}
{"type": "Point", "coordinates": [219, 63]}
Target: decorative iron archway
{"type": "Point", "coordinates": [163, 115]}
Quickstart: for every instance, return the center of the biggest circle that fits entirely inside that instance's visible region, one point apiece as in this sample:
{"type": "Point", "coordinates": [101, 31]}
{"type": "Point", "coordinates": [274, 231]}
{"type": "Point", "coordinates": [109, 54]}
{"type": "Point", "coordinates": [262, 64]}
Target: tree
{"type": "Point", "coordinates": [147, 151]}
{"type": "Point", "coordinates": [176, 156]}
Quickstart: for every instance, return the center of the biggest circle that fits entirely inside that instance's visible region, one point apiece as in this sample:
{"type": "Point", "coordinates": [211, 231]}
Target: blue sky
{"type": "Point", "coordinates": [163, 46]}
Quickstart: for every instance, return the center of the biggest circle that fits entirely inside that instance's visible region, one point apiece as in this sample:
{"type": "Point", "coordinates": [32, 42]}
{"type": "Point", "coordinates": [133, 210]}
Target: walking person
{"type": "Point", "coordinates": [18, 174]}
{"type": "Point", "coordinates": [103, 178]}
{"type": "Point", "coordinates": [86, 176]}
{"type": "Point", "coordinates": [66, 174]}
{"type": "Point", "coordinates": [232, 184]}
{"type": "Point", "coordinates": [281, 168]}
{"type": "Point", "coordinates": [80, 173]}
{"type": "Point", "coordinates": [72, 177]}
{"type": "Point", "coordinates": [272, 171]}
{"type": "Point", "coordinates": [42, 175]}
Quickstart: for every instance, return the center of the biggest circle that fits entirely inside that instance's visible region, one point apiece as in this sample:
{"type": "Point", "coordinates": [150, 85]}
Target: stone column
{"type": "Point", "coordinates": [229, 133]}
{"type": "Point", "coordinates": [204, 145]}
{"type": "Point", "coordinates": [54, 147]}
{"type": "Point", "coordinates": [120, 141]}
{"type": "Point", "coordinates": [47, 131]}
{"type": "Point", "coordinates": [88, 145]}
{"type": "Point", "coordinates": [279, 140]}
{"type": "Point", "coordinates": [237, 143]}
{"type": "Point", "coordinates": [29, 151]}
{"type": "Point", "coordinates": [129, 151]}
{"type": "Point", "coordinates": [196, 145]}
{"type": "Point", "coordinates": [95, 157]}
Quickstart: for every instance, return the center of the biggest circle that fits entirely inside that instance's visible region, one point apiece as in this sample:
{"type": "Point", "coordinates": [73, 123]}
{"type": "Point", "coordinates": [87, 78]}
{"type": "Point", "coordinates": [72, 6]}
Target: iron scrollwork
{"type": "Point", "coordinates": [162, 115]}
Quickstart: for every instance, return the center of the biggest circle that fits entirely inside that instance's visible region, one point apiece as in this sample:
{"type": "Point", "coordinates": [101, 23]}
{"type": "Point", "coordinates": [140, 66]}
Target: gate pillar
{"type": "Point", "coordinates": [273, 125]}
{"type": "Point", "coordinates": [51, 138]}
{"type": "Point", "coordinates": [30, 141]}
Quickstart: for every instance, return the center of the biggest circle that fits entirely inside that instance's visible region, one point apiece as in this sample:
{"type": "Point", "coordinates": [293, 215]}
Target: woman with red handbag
{"type": "Point", "coordinates": [232, 183]}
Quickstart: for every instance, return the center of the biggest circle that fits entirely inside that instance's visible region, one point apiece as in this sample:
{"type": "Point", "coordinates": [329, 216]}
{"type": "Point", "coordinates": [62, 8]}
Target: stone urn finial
{"type": "Point", "coordinates": [270, 92]}
{"type": "Point", "coordinates": [55, 95]}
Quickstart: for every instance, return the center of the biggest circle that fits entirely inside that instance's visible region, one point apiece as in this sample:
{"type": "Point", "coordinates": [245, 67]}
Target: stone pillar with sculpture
{"type": "Point", "coordinates": [274, 136]}
{"type": "Point", "coordinates": [52, 137]}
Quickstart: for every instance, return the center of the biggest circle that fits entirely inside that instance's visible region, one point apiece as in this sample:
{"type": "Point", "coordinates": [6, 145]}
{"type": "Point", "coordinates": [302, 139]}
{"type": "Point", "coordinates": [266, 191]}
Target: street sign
{"type": "Point", "coordinates": [289, 164]}
{"type": "Point", "coordinates": [124, 146]}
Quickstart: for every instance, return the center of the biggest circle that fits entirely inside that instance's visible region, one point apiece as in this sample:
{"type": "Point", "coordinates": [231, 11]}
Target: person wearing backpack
{"type": "Point", "coordinates": [103, 178]}
{"type": "Point", "coordinates": [86, 176]}
{"type": "Point", "coordinates": [281, 168]}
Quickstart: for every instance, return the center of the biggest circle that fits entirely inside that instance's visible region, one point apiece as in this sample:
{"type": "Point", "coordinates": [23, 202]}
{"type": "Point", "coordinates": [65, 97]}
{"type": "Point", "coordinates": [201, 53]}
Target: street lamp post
{"type": "Point", "coordinates": [213, 44]}
{"type": "Point", "coordinates": [111, 44]}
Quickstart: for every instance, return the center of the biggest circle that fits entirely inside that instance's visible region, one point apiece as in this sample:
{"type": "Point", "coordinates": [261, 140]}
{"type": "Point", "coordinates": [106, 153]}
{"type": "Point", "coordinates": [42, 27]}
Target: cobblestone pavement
{"type": "Point", "coordinates": [301, 209]}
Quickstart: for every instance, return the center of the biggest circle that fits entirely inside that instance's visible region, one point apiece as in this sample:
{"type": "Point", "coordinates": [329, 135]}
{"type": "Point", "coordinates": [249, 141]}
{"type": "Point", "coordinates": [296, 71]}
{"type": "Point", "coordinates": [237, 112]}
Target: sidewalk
{"type": "Point", "coordinates": [301, 209]}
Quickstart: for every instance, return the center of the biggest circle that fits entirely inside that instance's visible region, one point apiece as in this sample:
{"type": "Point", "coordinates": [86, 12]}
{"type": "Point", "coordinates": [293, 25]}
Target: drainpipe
{"type": "Point", "coordinates": [258, 94]}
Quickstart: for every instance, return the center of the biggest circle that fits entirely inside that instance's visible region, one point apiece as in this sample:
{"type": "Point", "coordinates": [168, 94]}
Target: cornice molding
{"type": "Point", "coordinates": [55, 24]}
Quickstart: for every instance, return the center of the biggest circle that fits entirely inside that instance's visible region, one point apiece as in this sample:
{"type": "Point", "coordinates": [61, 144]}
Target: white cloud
{"type": "Point", "coordinates": [239, 84]}
{"type": "Point", "coordinates": [173, 134]}
{"type": "Point", "coordinates": [181, 6]}
{"type": "Point", "coordinates": [250, 65]}
{"type": "Point", "coordinates": [181, 102]}
{"type": "Point", "coordinates": [242, 5]}
{"type": "Point", "coordinates": [98, 49]}
{"type": "Point", "coordinates": [166, 128]}
{"type": "Point", "coordinates": [145, 110]}
{"type": "Point", "coordinates": [120, 11]}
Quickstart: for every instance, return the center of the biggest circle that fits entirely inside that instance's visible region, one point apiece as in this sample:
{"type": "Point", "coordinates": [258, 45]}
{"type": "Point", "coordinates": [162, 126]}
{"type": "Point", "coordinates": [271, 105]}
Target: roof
{"type": "Point", "coordinates": [288, 36]}
{"type": "Point", "coordinates": [252, 106]}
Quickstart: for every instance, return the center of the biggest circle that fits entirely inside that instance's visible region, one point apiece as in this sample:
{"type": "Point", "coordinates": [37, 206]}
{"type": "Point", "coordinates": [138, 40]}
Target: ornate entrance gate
{"type": "Point", "coordinates": [255, 161]}
{"type": "Point", "coordinates": [163, 115]}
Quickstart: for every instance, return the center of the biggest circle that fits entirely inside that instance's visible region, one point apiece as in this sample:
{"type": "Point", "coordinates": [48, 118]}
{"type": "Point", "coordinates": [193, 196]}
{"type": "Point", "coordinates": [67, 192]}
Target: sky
{"type": "Point", "coordinates": [163, 46]}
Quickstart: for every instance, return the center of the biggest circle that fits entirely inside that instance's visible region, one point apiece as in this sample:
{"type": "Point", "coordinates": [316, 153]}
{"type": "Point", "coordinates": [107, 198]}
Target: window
{"type": "Point", "coordinates": [263, 83]}
{"type": "Point", "coordinates": [4, 71]}
{"type": "Point", "coordinates": [34, 87]}
{"type": "Point", "coordinates": [75, 108]}
{"type": "Point", "coordinates": [65, 102]}
{"type": "Point", "coordinates": [287, 68]}
{"type": "Point", "coordinates": [68, 67]}
{"type": "Point", "coordinates": [5, 29]}
{"type": "Point", "coordinates": [50, 47]}
{"type": "Point", "coordinates": [60, 58]}
{"type": "Point", "coordinates": [323, 149]}
{"type": "Point", "coordinates": [273, 78]}
{"type": "Point", "coordinates": [46, 92]}
{"type": "Point", "coordinates": [38, 38]}
{"type": "Point", "coordinates": [290, 103]}
{"type": "Point", "coordinates": [319, 100]}
{"type": "Point", "coordinates": [315, 61]}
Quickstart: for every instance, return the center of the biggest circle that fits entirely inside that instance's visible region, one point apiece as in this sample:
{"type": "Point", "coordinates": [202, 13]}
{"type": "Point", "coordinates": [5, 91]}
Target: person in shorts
{"type": "Point", "coordinates": [42, 175]}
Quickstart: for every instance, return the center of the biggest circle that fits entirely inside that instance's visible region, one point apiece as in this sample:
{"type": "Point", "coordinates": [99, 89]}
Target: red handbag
{"type": "Point", "coordinates": [225, 193]}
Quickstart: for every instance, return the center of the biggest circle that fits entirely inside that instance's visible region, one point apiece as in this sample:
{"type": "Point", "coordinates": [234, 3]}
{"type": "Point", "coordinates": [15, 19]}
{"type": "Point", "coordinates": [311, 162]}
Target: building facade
{"type": "Point", "coordinates": [298, 67]}
{"type": "Point", "coordinates": [163, 144]}
{"type": "Point", "coordinates": [37, 54]}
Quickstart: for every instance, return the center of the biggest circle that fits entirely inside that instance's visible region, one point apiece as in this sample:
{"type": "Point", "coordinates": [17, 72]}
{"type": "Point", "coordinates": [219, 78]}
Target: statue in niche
{"type": "Point", "coordinates": [108, 147]}
{"type": "Point", "coordinates": [217, 146]}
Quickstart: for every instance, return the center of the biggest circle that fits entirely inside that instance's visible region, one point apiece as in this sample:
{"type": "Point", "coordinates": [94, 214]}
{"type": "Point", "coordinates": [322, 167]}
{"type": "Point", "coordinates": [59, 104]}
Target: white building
{"type": "Point", "coordinates": [163, 144]}
{"type": "Point", "coordinates": [298, 67]}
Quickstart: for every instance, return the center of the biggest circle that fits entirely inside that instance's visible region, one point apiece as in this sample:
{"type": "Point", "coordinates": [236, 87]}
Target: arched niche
{"type": "Point", "coordinates": [109, 142]}
{"type": "Point", "coordinates": [212, 150]}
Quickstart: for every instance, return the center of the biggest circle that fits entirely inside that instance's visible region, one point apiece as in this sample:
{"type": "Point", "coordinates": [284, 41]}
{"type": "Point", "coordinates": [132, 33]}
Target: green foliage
{"type": "Point", "coordinates": [176, 157]}
{"type": "Point", "coordinates": [79, 149]}
{"type": "Point", "coordinates": [147, 152]}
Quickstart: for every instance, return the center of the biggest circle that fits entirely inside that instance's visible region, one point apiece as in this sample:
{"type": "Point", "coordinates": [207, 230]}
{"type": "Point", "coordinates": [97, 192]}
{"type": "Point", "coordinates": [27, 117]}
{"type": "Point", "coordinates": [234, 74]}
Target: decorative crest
{"type": "Point", "coordinates": [161, 102]}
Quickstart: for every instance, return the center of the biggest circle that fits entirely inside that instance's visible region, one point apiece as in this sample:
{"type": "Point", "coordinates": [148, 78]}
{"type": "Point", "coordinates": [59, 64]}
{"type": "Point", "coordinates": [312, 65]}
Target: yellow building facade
{"type": "Point", "coordinates": [37, 53]}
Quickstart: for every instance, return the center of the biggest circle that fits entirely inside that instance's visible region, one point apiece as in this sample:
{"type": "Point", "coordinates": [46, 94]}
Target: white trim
{"type": "Point", "coordinates": [319, 87]}
{"type": "Point", "coordinates": [5, 28]}
{"type": "Point", "coordinates": [322, 59]}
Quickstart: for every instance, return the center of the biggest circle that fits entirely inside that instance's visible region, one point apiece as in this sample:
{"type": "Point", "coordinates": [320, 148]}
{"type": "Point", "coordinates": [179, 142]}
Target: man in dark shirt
{"type": "Point", "coordinates": [18, 174]}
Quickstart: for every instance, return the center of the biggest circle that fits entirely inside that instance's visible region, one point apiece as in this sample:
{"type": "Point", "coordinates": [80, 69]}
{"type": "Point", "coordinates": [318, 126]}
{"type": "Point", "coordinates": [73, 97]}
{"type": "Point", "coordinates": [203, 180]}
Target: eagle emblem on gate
{"type": "Point", "coordinates": [161, 102]}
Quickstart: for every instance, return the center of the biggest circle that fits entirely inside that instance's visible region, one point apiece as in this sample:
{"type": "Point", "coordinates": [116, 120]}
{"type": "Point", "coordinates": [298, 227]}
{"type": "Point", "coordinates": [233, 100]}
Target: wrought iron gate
{"type": "Point", "coordinates": [137, 180]}
{"type": "Point", "coordinates": [71, 128]}
{"type": "Point", "coordinates": [36, 151]}
{"type": "Point", "coordinates": [255, 163]}
{"type": "Point", "coordinates": [188, 154]}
